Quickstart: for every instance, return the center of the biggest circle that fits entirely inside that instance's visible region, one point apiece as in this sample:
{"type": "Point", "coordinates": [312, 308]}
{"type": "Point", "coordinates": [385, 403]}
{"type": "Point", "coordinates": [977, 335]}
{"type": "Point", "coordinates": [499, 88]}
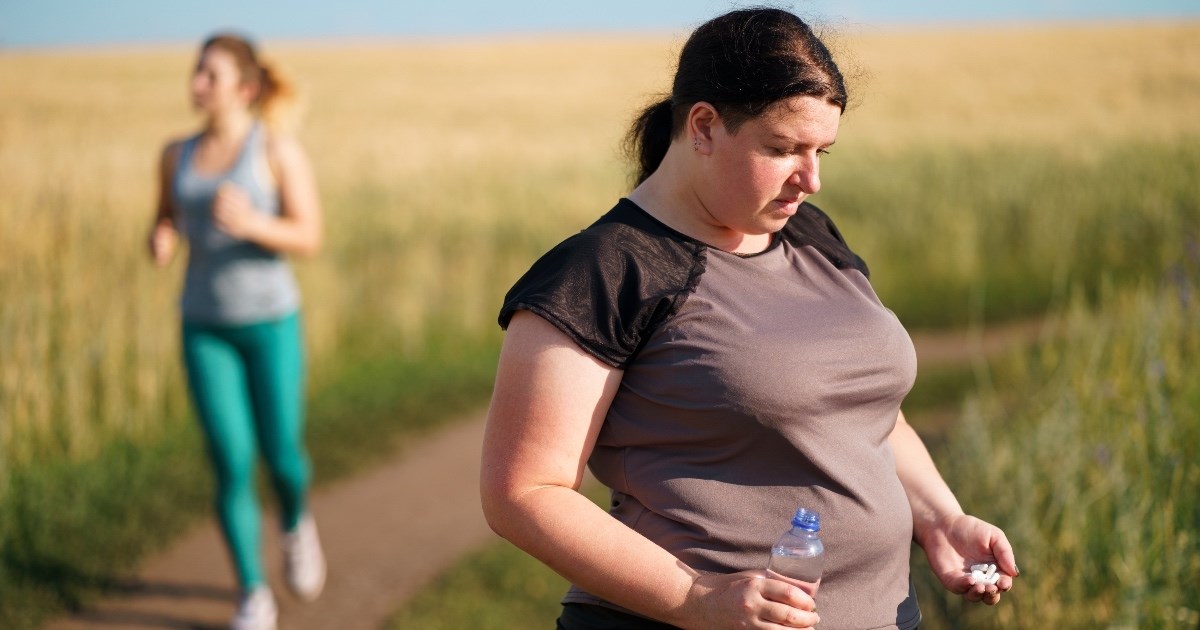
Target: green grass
{"type": "Point", "coordinates": [957, 237]}
{"type": "Point", "coordinates": [70, 529]}
{"type": "Point", "coordinates": [386, 398]}
{"type": "Point", "coordinates": [1092, 445]}
{"type": "Point", "coordinates": [496, 588]}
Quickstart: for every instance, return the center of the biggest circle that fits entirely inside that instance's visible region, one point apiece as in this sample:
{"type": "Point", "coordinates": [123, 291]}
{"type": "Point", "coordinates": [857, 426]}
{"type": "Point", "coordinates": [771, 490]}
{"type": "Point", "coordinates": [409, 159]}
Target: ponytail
{"type": "Point", "coordinates": [649, 138]}
{"type": "Point", "coordinates": [277, 97]}
{"type": "Point", "coordinates": [741, 63]}
{"type": "Point", "coordinates": [276, 102]}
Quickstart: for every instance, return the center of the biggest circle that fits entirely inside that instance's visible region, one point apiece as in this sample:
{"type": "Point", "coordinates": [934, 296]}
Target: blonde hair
{"type": "Point", "coordinates": [277, 102]}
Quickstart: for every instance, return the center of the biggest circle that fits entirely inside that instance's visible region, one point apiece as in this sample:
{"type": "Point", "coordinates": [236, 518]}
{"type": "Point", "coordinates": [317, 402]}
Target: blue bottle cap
{"type": "Point", "coordinates": [807, 520]}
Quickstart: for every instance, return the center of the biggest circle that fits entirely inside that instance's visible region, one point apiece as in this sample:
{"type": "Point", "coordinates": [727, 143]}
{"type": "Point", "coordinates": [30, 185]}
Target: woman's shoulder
{"type": "Point", "coordinates": [283, 150]}
{"type": "Point", "coordinates": [626, 247]}
{"type": "Point", "coordinates": [169, 156]}
{"type": "Point", "coordinates": [611, 283]}
{"type": "Point", "coordinates": [279, 139]}
{"type": "Point", "coordinates": [630, 233]}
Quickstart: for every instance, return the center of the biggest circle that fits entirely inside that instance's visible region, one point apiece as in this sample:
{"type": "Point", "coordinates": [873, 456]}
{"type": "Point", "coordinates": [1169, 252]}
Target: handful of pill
{"type": "Point", "coordinates": [985, 573]}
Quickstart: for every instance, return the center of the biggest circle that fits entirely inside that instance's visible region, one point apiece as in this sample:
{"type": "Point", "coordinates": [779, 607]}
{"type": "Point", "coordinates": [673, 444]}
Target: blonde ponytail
{"type": "Point", "coordinates": [277, 102]}
{"type": "Point", "coordinates": [278, 99]}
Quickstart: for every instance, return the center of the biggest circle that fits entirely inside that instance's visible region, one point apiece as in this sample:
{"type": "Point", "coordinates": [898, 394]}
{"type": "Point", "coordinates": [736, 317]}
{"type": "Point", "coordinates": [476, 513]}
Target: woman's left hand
{"type": "Point", "coordinates": [234, 214]}
{"type": "Point", "coordinates": [961, 541]}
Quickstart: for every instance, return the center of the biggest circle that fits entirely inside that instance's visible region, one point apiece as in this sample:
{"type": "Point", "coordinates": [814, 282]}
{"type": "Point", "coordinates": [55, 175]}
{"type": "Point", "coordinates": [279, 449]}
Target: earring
{"type": "Point", "coordinates": [695, 144]}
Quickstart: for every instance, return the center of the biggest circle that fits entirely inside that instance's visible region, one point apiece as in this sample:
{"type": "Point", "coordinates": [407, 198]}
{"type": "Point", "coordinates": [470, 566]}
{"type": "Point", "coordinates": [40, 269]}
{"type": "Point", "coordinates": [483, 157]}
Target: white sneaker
{"type": "Point", "coordinates": [303, 560]}
{"type": "Point", "coordinates": [256, 611]}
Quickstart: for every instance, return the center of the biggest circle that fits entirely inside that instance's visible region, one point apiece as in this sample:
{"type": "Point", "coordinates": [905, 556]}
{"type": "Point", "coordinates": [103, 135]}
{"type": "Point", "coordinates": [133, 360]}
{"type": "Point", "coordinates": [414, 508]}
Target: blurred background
{"type": "Point", "coordinates": [1029, 165]}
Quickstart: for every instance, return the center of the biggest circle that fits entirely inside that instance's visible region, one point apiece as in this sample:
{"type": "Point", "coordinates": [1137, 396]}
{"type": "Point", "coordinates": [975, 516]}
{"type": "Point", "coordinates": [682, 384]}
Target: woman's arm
{"type": "Point", "coordinates": [547, 408]}
{"type": "Point", "coordinates": [163, 239]}
{"type": "Point", "coordinates": [952, 540]}
{"type": "Point", "coordinates": [297, 230]}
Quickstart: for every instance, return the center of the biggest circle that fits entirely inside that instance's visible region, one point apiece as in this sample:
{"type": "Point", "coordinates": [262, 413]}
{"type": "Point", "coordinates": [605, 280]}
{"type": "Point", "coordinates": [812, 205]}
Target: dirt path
{"type": "Point", "coordinates": [386, 532]}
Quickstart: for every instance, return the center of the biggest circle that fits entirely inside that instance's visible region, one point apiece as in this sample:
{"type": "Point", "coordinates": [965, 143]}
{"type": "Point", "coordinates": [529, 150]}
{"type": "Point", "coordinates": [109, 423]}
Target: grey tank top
{"type": "Point", "coordinates": [230, 281]}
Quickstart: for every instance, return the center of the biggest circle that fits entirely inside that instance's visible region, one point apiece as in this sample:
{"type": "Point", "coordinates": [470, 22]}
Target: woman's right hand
{"type": "Point", "coordinates": [163, 241]}
{"type": "Point", "coordinates": [748, 599]}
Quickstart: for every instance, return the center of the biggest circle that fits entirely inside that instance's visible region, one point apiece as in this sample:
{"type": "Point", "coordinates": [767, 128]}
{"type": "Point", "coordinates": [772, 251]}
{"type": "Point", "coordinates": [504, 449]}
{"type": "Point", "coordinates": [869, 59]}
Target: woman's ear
{"type": "Point", "coordinates": [249, 91]}
{"type": "Point", "coordinates": [701, 120]}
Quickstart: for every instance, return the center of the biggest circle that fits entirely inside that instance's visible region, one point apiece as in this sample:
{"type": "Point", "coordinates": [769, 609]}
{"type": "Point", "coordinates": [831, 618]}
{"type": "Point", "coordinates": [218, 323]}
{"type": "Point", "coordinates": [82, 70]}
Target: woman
{"type": "Point", "coordinates": [713, 350]}
{"type": "Point", "coordinates": [242, 192]}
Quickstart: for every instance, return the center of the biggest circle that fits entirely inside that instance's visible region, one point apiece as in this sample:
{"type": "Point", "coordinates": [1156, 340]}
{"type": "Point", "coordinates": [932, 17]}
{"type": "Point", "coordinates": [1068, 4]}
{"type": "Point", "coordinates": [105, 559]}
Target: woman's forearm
{"type": "Point", "coordinates": [284, 235]}
{"type": "Point", "coordinates": [581, 542]}
{"type": "Point", "coordinates": [931, 499]}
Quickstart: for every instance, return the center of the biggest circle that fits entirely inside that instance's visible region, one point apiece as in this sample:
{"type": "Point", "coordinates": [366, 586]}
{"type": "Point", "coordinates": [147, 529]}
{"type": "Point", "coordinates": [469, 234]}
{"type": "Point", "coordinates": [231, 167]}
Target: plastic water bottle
{"type": "Point", "coordinates": [799, 553]}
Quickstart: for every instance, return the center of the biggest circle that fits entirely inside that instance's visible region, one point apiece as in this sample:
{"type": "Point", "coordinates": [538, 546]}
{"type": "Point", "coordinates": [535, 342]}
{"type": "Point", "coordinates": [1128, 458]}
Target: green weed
{"type": "Point", "coordinates": [1087, 453]}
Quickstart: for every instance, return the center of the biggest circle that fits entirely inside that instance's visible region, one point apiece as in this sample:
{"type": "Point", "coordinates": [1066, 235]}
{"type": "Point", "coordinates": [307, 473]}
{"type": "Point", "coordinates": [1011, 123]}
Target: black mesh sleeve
{"type": "Point", "coordinates": [610, 286]}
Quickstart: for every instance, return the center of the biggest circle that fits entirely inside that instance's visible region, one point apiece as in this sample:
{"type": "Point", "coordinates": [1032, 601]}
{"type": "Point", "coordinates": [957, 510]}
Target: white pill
{"type": "Point", "coordinates": [978, 576]}
{"type": "Point", "coordinates": [991, 569]}
{"type": "Point", "coordinates": [979, 567]}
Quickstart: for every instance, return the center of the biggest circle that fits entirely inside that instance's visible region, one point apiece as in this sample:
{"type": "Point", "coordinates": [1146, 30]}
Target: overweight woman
{"type": "Point", "coordinates": [713, 350]}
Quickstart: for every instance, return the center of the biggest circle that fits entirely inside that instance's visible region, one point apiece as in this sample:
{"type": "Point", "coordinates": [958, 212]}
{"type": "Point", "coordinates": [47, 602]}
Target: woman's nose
{"type": "Point", "coordinates": [807, 177]}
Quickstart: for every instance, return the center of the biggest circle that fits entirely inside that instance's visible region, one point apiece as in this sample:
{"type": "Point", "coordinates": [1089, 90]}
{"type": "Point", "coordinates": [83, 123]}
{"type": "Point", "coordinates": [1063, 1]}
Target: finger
{"type": "Point", "coordinates": [223, 213]}
{"type": "Point", "coordinates": [1002, 551]}
{"type": "Point", "coordinates": [977, 590]}
{"type": "Point", "coordinates": [228, 193]}
{"type": "Point", "coordinates": [783, 593]}
{"type": "Point", "coordinates": [232, 196]}
{"type": "Point", "coordinates": [986, 593]}
{"type": "Point", "coordinates": [958, 583]}
{"type": "Point", "coordinates": [788, 616]}
{"type": "Point", "coordinates": [228, 188]}
{"type": "Point", "coordinates": [1005, 584]}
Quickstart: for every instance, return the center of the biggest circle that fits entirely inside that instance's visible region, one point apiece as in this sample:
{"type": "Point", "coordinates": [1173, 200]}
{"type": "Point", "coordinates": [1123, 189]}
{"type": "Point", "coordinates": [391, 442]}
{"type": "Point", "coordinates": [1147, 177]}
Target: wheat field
{"type": "Point", "coordinates": [442, 165]}
{"type": "Point", "coordinates": [446, 166]}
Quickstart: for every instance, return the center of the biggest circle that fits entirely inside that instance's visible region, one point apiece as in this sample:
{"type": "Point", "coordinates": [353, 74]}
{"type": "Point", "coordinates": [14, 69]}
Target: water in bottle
{"type": "Point", "coordinates": [799, 553]}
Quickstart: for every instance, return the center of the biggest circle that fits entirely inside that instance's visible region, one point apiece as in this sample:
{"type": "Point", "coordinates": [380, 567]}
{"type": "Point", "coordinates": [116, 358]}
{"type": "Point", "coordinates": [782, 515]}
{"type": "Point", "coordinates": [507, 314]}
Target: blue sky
{"type": "Point", "coordinates": [25, 23]}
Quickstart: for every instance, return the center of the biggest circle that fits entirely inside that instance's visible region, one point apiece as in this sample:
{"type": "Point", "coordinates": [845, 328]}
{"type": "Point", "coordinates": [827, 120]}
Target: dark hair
{"type": "Point", "coordinates": [741, 62]}
{"type": "Point", "coordinates": [276, 93]}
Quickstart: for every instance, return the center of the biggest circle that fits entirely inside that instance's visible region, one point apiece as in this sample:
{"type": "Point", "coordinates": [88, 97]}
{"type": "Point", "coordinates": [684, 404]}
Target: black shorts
{"type": "Point", "coordinates": [593, 617]}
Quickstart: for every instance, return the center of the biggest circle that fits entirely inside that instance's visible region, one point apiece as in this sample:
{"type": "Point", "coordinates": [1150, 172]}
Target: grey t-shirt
{"type": "Point", "coordinates": [230, 281]}
{"type": "Point", "coordinates": [752, 385]}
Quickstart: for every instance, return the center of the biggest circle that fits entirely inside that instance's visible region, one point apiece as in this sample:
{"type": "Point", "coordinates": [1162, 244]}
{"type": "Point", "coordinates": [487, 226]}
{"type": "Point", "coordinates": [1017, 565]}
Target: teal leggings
{"type": "Point", "coordinates": [247, 383]}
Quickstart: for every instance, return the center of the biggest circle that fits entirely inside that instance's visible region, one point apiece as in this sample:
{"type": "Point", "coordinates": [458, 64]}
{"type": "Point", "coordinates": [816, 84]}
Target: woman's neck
{"type": "Point", "coordinates": [229, 126]}
{"type": "Point", "coordinates": [669, 196]}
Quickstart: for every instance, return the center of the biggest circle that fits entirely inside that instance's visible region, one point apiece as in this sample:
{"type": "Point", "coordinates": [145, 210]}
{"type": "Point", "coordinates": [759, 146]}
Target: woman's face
{"type": "Point", "coordinates": [216, 83]}
{"type": "Point", "coordinates": [757, 178]}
